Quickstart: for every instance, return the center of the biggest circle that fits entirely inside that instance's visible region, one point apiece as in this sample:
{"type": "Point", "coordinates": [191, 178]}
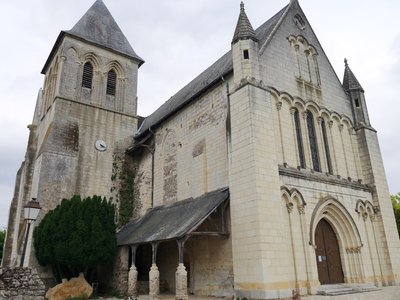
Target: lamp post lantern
{"type": "Point", "coordinates": [31, 212]}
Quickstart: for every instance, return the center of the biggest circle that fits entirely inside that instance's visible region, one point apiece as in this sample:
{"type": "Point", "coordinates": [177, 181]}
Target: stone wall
{"type": "Point", "coordinates": [190, 156]}
{"type": "Point", "coordinates": [21, 284]}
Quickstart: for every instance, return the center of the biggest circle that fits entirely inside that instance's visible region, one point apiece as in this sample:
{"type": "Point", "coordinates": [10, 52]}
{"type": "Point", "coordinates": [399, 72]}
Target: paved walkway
{"type": "Point", "coordinates": [385, 293]}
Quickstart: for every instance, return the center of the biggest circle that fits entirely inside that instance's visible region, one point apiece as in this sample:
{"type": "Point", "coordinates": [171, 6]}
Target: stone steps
{"type": "Point", "coordinates": [344, 289]}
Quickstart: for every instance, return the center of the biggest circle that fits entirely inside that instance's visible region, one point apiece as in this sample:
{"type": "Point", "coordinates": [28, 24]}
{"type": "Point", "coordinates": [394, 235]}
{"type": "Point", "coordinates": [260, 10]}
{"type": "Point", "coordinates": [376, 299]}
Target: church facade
{"type": "Point", "coordinates": [262, 176]}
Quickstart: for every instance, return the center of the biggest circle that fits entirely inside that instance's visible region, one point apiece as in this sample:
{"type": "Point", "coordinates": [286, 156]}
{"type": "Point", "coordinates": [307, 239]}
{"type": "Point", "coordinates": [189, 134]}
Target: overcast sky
{"type": "Point", "coordinates": [180, 38]}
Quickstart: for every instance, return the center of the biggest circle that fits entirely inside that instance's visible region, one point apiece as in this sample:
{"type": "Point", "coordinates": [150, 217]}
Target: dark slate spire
{"type": "Point", "coordinates": [99, 27]}
{"type": "Point", "coordinates": [243, 30]}
{"type": "Point", "coordinates": [350, 81]}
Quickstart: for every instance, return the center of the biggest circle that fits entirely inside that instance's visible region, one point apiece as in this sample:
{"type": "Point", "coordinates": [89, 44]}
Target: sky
{"type": "Point", "coordinates": [178, 39]}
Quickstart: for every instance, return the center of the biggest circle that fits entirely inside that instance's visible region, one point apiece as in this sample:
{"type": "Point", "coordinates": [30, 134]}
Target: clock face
{"type": "Point", "coordinates": [100, 145]}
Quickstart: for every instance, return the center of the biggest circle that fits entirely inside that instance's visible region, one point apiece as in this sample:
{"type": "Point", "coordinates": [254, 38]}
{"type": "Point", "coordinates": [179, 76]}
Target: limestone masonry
{"type": "Point", "coordinates": [262, 176]}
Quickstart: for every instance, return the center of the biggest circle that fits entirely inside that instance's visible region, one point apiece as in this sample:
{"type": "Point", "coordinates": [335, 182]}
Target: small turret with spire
{"type": "Point", "coordinates": [356, 94]}
{"type": "Point", "coordinates": [245, 49]}
{"type": "Point", "coordinates": [243, 30]}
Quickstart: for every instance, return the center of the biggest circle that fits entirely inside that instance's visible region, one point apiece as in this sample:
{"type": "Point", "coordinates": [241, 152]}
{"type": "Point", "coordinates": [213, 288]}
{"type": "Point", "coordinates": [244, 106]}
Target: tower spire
{"type": "Point", "coordinates": [350, 81]}
{"type": "Point", "coordinates": [243, 30]}
{"type": "Point", "coordinates": [98, 26]}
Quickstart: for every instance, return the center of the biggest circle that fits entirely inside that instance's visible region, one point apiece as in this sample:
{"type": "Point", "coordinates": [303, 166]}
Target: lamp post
{"type": "Point", "coordinates": [31, 212]}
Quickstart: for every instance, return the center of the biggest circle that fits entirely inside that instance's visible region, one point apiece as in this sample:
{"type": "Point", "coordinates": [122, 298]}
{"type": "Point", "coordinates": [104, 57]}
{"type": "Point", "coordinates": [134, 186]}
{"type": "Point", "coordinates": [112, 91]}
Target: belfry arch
{"type": "Point", "coordinates": [349, 241]}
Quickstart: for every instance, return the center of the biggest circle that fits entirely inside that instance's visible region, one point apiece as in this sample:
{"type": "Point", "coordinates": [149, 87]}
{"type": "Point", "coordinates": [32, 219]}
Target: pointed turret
{"type": "Point", "coordinates": [350, 81]}
{"type": "Point", "coordinates": [356, 94]}
{"type": "Point", "coordinates": [243, 30]}
{"type": "Point", "coordinates": [98, 26]}
{"type": "Point", "coordinates": [245, 49]}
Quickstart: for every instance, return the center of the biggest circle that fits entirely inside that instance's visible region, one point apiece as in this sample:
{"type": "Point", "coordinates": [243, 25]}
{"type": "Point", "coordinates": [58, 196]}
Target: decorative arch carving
{"type": "Point", "coordinates": [92, 58]}
{"type": "Point", "coordinates": [292, 197]}
{"type": "Point", "coordinates": [365, 209]}
{"type": "Point", "coordinates": [116, 66]}
{"type": "Point", "coordinates": [306, 59]}
{"type": "Point", "coordinates": [341, 221]}
{"type": "Point", "coordinates": [72, 55]}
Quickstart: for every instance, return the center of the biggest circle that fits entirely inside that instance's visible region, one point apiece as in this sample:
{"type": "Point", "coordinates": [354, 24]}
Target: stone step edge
{"type": "Point", "coordinates": [345, 291]}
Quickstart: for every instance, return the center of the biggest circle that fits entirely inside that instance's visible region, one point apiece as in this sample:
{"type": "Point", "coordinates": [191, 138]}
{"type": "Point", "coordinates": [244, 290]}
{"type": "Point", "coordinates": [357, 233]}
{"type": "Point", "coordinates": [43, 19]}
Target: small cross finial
{"type": "Point", "coordinates": [345, 62]}
{"type": "Point", "coordinates": [241, 5]}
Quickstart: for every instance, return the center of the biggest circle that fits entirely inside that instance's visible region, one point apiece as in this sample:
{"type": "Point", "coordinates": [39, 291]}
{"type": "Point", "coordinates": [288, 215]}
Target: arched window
{"type": "Point", "coordinates": [299, 139]}
{"type": "Point", "coordinates": [111, 82]}
{"type": "Point", "coordinates": [326, 145]}
{"type": "Point", "coordinates": [313, 142]}
{"type": "Point", "coordinates": [87, 77]}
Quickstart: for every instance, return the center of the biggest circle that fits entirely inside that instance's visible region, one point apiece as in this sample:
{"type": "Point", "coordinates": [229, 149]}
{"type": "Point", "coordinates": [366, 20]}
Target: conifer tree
{"type": "Point", "coordinates": [76, 236]}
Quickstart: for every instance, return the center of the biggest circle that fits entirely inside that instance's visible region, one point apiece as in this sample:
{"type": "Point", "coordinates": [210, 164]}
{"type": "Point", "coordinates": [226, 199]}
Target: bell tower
{"type": "Point", "coordinates": [85, 117]}
{"type": "Point", "coordinates": [93, 63]}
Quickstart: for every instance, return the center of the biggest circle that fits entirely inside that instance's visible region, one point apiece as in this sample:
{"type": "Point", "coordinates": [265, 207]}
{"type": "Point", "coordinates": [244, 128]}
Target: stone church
{"type": "Point", "coordinates": [261, 177]}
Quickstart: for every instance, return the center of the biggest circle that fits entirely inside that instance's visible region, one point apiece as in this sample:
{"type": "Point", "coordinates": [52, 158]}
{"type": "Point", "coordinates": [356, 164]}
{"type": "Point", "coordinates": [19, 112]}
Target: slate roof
{"type": "Point", "coordinates": [350, 81]}
{"type": "Point", "coordinates": [171, 221]}
{"type": "Point", "coordinates": [98, 26]}
{"type": "Point", "coordinates": [243, 30]}
{"type": "Point", "coordinates": [205, 80]}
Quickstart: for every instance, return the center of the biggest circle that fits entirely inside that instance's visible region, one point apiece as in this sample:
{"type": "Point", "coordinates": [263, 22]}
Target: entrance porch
{"type": "Point", "coordinates": [168, 242]}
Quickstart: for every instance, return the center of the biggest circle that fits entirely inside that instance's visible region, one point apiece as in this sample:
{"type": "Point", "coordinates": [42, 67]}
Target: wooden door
{"type": "Point", "coordinates": [327, 254]}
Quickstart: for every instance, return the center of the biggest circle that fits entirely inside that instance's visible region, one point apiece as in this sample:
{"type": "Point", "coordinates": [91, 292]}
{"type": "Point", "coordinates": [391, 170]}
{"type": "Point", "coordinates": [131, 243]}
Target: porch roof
{"type": "Point", "coordinates": [171, 221]}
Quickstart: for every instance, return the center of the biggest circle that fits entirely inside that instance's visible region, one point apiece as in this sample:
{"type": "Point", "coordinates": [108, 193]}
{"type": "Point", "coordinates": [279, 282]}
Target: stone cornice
{"type": "Point", "coordinates": [322, 177]}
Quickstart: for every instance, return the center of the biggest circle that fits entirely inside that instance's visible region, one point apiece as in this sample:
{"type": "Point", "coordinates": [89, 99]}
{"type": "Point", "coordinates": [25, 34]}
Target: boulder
{"type": "Point", "coordinates": [73, 288]}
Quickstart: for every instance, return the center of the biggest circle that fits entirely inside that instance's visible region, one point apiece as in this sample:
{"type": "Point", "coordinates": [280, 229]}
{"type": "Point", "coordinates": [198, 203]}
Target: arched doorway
{"type": "Point", "coordinates": [328, 254]}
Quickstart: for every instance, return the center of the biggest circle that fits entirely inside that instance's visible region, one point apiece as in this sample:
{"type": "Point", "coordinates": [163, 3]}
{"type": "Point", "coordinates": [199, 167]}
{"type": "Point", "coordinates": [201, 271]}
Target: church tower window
{"type": "Point", "coordinates": [326, 145]}
{"type": "Point", "coordinates": [87, 77]}
{"type": "Point", "coordinates": [299, 139]}
{"type": "Point", "coordinates": [246, 54]}
{"type": "Point", "coordinates": [111, 82]}
{"type": "Point", "coordinates": [313, 141]}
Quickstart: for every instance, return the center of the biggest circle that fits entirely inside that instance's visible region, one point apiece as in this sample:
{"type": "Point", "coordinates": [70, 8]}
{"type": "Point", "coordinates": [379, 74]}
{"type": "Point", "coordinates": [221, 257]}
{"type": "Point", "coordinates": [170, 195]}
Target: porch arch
{"type": "Point", "coordinates": [348, 236]}
{"type": "Point", "coordinates": [340, 219]}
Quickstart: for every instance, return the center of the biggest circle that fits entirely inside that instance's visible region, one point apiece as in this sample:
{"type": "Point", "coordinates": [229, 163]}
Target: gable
{"type": "Point", "coordinates": [293, 61]}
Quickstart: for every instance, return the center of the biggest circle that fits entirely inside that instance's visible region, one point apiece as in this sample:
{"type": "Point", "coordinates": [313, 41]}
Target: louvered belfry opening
{"type": "Point", "coordinates": [111, 82]}
{"type": "Point", "coordinates": [87, 75]}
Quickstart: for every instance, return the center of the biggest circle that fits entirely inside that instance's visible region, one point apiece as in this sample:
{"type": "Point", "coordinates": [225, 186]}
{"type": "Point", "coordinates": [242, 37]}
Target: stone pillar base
{"type": "Point", "coordinates": [132, 282]}
{"type": "Point", "coordinates": [154, 283]}
{"type": "Point", "coordinates": [181, 283]}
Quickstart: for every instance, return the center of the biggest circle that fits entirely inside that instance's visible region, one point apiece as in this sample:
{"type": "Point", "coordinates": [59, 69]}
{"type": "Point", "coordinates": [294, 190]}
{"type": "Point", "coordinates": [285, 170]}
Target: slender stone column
{"type": "Point", "coordinates": [181, 283]}
{"type": "Point", "coordinates": [154, 283]}
{"type": "Point", "coordinates": [154, 276]}
{"type": "Point", "coordinates": [181, 275]}
{"type": "Point", "coordinates": [132, 282]}
{"type": "Point", "coordinates": [132, 276]}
